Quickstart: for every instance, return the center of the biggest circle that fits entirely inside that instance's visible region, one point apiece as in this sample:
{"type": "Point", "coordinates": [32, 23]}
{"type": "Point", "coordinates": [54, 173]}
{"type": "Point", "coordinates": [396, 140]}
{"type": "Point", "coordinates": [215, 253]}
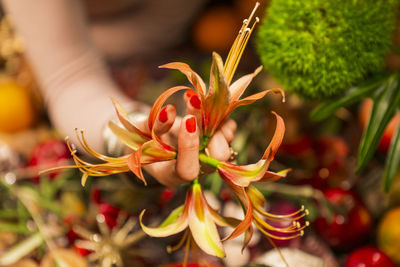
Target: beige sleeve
{"type": "Point", "coordinates": [74, 81]}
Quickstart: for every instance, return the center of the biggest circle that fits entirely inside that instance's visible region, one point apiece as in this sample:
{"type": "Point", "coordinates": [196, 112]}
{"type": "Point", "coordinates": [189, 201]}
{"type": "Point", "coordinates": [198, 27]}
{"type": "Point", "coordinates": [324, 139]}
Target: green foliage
{"type": "Point", "coordinates": [319, 48]}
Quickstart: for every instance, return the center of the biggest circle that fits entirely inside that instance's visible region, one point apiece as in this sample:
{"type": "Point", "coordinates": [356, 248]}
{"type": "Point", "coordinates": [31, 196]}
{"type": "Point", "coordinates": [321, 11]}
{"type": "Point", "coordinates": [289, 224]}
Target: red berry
{"type": "Point", "coordinates": [369, 257]}
{"type": "Point", "coordinates": [49, 154]}
{"type": "Point", "coordinates": [350, 226]}
{"type": "Point", "coordinates": [96, 195]}
{"type": "Point", "coordinates": [166, 195]}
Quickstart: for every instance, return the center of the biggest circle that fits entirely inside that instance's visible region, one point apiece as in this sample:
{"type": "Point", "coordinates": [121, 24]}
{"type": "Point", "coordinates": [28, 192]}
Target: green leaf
{"type": "Point", "coordinates": [384, 107]}
{"type": "Point", "coordinates": [172, 216]}
{"type": "Point", "coordinates": [352, 96]}
{"type": "Point", "coordinates": [393, 160]}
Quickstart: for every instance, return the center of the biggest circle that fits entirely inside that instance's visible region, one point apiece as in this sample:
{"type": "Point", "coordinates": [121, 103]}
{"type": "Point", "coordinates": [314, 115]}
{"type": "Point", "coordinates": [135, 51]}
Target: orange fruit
{"type": "Point", "coordinates": [389, 234]}
{"type": "Point", "coordinates": [216, 29]}
{"type": "Point", "coordinates": [16, 108]}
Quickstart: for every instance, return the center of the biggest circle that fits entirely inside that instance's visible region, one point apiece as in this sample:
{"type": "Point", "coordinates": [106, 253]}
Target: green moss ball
{"type": "Point", "coordinates": [319, 48]}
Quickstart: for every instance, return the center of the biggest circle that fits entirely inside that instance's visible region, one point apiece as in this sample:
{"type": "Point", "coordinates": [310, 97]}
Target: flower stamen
{"type": "Point", "coordinates": [239, 45]}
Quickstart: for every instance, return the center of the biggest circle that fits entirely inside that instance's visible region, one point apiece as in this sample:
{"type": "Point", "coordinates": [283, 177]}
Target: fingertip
{"type": "Point", "coordinates": [218, 147]}
{"type": "Point", "coordinates": [228, 129]}
{"type": "Point", "coordinates": [187, 165]}
{"type": "Point", "coordinates": [165, 119]}
{"type": "Point", "coordinates": [195, 101]}
{"type": "Point", "coordinates": [167, 114]}
{"type": "Point", "coordinates": [189, 125]}
{"type": "Point", "coordinates": [188, 94]}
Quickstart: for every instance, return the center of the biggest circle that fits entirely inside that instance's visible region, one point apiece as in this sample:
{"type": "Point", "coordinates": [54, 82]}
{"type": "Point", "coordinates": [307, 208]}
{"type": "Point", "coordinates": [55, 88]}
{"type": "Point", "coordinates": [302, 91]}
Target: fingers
{"type": "Point", "coordinates": [228, 129]}
{"type": "Point", "coordinates": [218, 147]}
{"type": "Point", "coordinates": [165, 120]}
{"type": "Point", "coordinates": [193, 104]}
{"type": "Point", "coordinates": [165, 173]}
{"type": "Point", "coordinates": [187, 165]}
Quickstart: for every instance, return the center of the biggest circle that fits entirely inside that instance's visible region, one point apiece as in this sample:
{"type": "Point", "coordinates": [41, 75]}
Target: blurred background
{"type": "Point", "coordinates": [338, 65]}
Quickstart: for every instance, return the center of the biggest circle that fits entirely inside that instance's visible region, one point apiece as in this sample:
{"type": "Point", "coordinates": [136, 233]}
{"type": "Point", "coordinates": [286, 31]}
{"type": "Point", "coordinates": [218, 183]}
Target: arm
{"type": "Point", "coordinates": [75, 84]}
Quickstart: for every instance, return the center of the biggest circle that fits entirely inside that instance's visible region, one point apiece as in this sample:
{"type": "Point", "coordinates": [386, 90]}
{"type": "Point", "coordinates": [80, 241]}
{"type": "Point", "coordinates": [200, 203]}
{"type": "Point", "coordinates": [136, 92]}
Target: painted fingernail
{"type": "Point", "coordinates": [191, 125]}
{"type": "Point", "coordinates": [163, 116]}
{"type": "Point", "coordinates": [195, 102]}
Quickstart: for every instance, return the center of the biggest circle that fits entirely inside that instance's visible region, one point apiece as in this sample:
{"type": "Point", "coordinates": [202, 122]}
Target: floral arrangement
{"type": "Point", "coordinates": [320, 48]}
{"type": "Point", "coordinates": [196, 217]}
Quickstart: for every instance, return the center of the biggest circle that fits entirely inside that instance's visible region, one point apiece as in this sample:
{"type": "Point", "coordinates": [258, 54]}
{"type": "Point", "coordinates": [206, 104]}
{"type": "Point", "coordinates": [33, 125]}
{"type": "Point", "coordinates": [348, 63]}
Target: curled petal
{"type": "Point", "coordinates": [135, 165]}
{"type": "Point", "coordinates": [239, 86]}
{"type": "Point", "coordinates": [245, 224]}
{"type": "Point", "coordinates": [160, 102]}
{"type": "Point", "coordinates": [153, 151]}
{"type": "Point", "coordinates": [251, 99]}
{"type": "Point", "coordinates": [223, 220]}
{"type": "Point", "coordinates": [175, 225]}
{"type": "Point", "coordinates": [124, 119]}
{"type": "Point", "coordinates": [192, 76]}
{"type": "Point", "coordinates": [202, 225]}
{"type": "Point", "coordinates": [216, 103]}
{"type": "Point", "coordinates": [150, 152]}
{"type": "Point", "coordinates": [276, 139]}
{"type": "Point", "coordinates": [273, 176]}
{"type": "Point", "coordinates": [243, 175]}
{"type": "Point", "coordinates": [132, 140]}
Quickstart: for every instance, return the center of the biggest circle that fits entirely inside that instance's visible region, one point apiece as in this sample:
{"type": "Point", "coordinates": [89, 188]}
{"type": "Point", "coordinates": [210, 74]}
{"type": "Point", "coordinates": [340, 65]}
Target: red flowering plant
{"type": "Point", "coordinates": [195, 216]}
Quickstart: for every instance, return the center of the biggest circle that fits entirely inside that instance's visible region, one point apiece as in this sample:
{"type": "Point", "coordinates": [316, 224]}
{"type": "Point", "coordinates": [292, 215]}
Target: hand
{"type": "Point", "coordinates": [184, 132]}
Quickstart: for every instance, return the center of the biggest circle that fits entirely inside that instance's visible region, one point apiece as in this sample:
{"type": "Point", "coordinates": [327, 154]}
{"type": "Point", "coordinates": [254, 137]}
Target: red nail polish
{"type": "Point", "coordinates": [195, 101]}
{"type": "Point", "coordinates": [191, 125]}
{"type": "Point", "coordinates": [163, 116]}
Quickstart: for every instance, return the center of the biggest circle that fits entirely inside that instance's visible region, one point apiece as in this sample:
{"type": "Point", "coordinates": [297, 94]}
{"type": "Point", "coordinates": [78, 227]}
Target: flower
{"type": "Point", "coordinates": [199, 217]}
{"type": "Point", "coordinates": [148, 147]}
{"type": "Point", "coordinates": [222, 98]}
{"type": "Point", "coordinates": [253, 203]}
{"type": "Point", "coordinates": [196, 217]}
{"type": "Point", "coordinates": [244, 175]}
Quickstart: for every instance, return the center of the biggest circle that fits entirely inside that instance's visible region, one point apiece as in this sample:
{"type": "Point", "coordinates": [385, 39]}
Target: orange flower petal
{"type": "Point", "coordinates": [192, 76]}
{"type": "Point", "coordinates": [248, 218]}
{"type": "Point", "coordinates": [134, 164]}
{"type": "Point", "coordinates": [160, 102]}
{"type": "Point", "coordinates": [276, 139]}
{"type": "Point", "coordinates": [251, 99]}
{"type": "Point", "coordinates": [217, 100]}
{"type": "Point", "coordinates": [124, 119]}
{"type": "Point", "coordinates": [243, 175]}
{"type": "Point", "coordinates": [239, 86]}
{"type": "Point", "coordinates": [153, 151]}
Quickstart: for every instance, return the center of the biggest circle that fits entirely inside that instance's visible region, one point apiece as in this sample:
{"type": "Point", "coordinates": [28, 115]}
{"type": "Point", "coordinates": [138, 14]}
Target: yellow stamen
{"type": "Point", "coordinates": [274, 217]}
{"type": "Point", "coordinates": [111, 166]}
{"type": "Point", "coordinates": [265, 232]}
{"type": "Point", "coordinates": [180, 243]}
{"type": "Point", "coordinates": [239, 45]}
{"type": "Point", "coordinates": [187, 246]}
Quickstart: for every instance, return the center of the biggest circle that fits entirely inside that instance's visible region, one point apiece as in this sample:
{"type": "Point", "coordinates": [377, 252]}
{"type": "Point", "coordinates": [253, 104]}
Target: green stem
{"type": "Point", "coordinates": [204, 142]}
{"type": "Point", "coordinates": [208, 160]}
